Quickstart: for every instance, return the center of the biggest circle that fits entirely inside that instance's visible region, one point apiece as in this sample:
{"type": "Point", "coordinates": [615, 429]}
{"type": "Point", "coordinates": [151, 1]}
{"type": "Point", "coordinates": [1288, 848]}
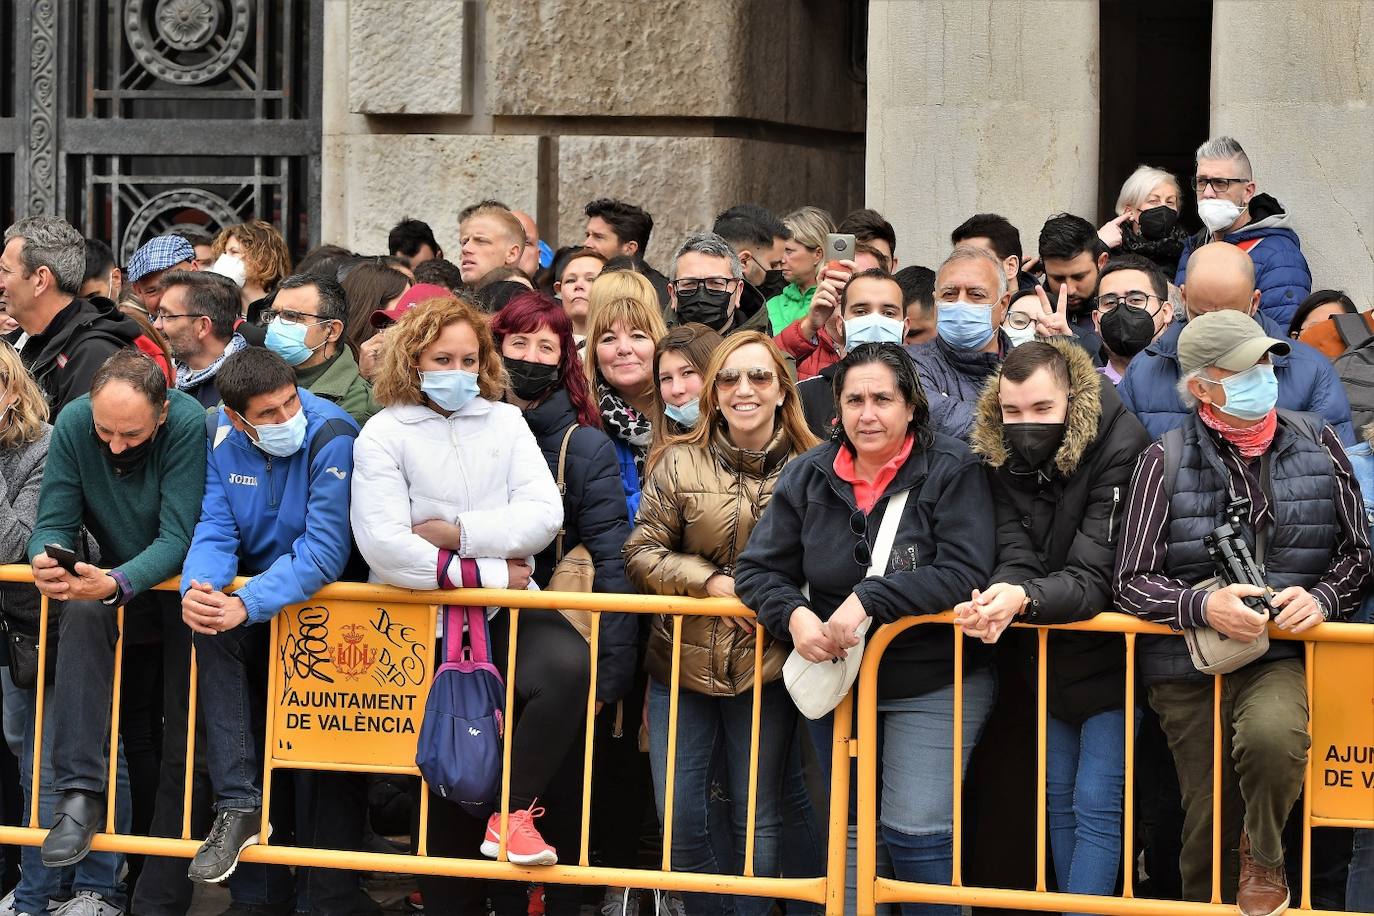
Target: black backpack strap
{"type": "Point", "coordinates": [1172, 441]}
{"type": "Point", "coordinates": [331, 430]}
{"type": "Point", "coordinates": [1354, 330]}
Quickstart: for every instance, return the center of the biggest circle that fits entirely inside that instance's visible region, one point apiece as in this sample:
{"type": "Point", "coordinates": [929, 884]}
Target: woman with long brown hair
{"type": "Point", "coordinates": [705, 490]}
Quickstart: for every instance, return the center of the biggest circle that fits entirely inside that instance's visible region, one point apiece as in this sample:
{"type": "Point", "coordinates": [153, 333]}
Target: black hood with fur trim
{"type": "Point", "coordinates": [1057, 531]}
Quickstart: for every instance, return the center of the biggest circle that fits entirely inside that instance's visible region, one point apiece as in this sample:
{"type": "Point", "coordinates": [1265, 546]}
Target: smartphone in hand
{"type": "Point", "coordinates": [838, 247]}
{"type": "Point", "coordinates": [64, 557]}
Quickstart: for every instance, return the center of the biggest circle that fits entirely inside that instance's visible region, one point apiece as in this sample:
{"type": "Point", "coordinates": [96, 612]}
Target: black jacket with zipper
{"type": "Point", "coordinates": [942, 551]}
{"type": "Point", "coordinates": [594, 515]}
{"type": "Point", "coordinates": [78, 340]}
{"type": "Point", "coordinates": [1057, 529]}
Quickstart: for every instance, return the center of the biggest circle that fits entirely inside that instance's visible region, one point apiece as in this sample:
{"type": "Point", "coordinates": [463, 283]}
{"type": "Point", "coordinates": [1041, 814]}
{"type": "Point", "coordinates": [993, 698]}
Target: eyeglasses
{"type": "Point", "coordinates": [163, 316]}
{"type": "Point", "coordinates": [858, 526]}
{"type": "Point", "coordinates": [1220, 185]}
{"type": "Point", "coordinates": [289, 316]}
{"type": "Point", "coordinates": [1136, 299]}
{"type": "Point", "coordinates": [1019, 320]}
{"type": "Point", "coordinates": [685, 286]}
{"type": "Point", "coordinates": [758, 377]}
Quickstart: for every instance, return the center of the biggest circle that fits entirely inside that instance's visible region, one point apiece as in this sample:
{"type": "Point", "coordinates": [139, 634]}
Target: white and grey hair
{"type": "Point", "coordinates": [1190, 400]}
{"type": "Point", "coordinates": [51, 242]}
{"type": "Point", "coordinates": [713, 245]}
{"type": "Point", "coordinates": [976, 253]}
{"type": "Point", "coordinates": [1225, 147]}
{"type": "Point", "coordinates": [1138, 187]}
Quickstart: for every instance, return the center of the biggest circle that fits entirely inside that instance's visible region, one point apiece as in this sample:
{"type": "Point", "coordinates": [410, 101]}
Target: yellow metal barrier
{"type": "Point", "coordinates": [330, 636]}
{"type": "Point", "coordinates": [1347, 649]}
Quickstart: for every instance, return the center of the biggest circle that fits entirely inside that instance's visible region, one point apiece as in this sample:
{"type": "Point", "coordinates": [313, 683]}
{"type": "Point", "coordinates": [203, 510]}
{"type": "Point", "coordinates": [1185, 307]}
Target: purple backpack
{"type": "Point", "coordinates": [459, 749]}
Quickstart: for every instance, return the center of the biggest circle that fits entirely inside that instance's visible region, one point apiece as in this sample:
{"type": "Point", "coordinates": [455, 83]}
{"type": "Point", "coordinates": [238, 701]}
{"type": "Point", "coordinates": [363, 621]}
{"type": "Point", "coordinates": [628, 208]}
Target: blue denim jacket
{"type": "Point", "coordinates": [1362, 460]}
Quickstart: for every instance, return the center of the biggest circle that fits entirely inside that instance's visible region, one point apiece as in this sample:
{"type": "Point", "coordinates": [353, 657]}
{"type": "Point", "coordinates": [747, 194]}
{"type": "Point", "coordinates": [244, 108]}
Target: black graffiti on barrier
{"type": "Point", "coordinates": [402, 662]}
{"type": "Point", "coordinates": [303, 651]}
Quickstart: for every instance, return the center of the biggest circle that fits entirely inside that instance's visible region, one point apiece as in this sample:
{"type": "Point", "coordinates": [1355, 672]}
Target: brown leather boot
{"type": "Point", "coordinates": [1263, 891]}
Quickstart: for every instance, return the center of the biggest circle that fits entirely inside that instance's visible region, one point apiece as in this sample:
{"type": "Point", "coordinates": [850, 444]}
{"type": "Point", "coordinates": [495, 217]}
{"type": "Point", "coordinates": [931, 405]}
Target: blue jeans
{"type": "Point", "coordinates": [917, 813]}
{"type": "Point", "coordinates": [99, 871]}
{"type": "Point", "coordinates": [1084, 776]}
{"type": "Point", "coordinates": [705, 723]}
{"type": "Point", "coordinates": [232, 680]}
{"type": "Point", "coordinates": [1359, 888]}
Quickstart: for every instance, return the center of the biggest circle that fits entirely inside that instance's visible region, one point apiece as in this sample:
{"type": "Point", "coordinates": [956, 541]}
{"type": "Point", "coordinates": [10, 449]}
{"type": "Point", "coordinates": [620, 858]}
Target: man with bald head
{"type": "Point", "coordinates": [1222, 276]}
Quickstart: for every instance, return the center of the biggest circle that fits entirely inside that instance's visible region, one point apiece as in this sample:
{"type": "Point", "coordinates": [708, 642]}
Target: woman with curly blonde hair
{"type": "Point", "coordinates": [254, 255]}
{"type": "Point", "coordinates": [447, 472]}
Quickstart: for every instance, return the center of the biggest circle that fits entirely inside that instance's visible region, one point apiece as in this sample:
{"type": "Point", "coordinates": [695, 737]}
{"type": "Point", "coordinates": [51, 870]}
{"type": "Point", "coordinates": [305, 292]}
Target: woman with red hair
{"type": "Point", "coordinates": [548, 383]}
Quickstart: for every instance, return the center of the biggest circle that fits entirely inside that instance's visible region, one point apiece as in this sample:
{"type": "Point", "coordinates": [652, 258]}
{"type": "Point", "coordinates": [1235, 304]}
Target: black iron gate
{"type": "Point", "coordinates": [132, 117]}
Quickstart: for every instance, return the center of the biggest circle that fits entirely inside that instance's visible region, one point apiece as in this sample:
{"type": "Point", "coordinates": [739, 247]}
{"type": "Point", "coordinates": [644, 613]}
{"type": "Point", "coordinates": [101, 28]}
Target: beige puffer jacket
{"type": "Point", "coordinates": [695, 515]}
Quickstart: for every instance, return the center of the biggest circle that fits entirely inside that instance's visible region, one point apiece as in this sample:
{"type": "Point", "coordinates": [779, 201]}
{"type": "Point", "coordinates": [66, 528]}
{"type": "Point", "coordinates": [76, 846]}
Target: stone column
{"type": "Point", "coordinates": [1294, 83]}
{"type": "Point", "coordinates": [977, 106]}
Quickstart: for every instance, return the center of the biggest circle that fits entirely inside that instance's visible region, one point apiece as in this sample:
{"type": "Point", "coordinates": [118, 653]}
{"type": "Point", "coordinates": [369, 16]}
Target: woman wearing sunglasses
{"type": "Point", "coordinates": [704, 493]}
{"type": "Point", "coordinates": [811, 573]}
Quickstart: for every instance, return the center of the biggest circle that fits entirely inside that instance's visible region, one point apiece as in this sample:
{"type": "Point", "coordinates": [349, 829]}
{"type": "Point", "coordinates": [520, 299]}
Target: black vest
{"type": "Point", "coordinates": [1300, 544]}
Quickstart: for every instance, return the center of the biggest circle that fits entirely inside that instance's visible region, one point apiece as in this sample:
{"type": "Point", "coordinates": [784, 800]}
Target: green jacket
{"type": "Point", "coordinates": [789, 305]}
{"type": "Point", "coordinates": [143, 521]}
{"type": "Point", "coordinates": [337, 379]}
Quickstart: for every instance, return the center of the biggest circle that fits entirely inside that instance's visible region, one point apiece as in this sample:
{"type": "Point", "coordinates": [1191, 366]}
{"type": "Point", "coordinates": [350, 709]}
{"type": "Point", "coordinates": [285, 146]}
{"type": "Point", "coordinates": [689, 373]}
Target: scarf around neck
{"type": "Point", "coordinates": [190, 378]}
{"type": "Point", "coordinates": [625, 423]}
{"type": "Point", "coordinates": [1251, 441]}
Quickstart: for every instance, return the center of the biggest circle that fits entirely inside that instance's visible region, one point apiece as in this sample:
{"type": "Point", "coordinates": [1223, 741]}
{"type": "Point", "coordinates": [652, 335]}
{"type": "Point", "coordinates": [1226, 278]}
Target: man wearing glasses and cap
{"type": "Point", "coordinates": [1232, 212]}
{"type": "Point", "coordinates": [1288, 480]}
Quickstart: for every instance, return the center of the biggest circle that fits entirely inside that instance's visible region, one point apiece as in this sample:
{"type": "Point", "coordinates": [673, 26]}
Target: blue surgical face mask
{"type": "Point", "coordinates": [1251, 394]}
{"type": "Point", "coordinates": [686, 415]}
{"type": "Point", "coordinates": [875, 327]}
{"type": "Point", "coordinates": [288, 342]}
{"type": "Point", "coordinates": [964, 324]}
{"type": "Point", "coordinates": [282, 439]}
{"type": "Point", "coordinates": [450, 389]}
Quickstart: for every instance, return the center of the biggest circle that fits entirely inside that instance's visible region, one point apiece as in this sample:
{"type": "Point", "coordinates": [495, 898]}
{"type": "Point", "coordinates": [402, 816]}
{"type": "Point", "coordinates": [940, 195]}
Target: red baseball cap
{"type": "Point", "coordinates": [414, 296]}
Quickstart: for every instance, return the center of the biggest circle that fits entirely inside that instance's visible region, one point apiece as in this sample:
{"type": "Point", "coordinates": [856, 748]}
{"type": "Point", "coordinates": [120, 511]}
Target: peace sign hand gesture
{"type": "Point", "coordinates": [1053, 322]}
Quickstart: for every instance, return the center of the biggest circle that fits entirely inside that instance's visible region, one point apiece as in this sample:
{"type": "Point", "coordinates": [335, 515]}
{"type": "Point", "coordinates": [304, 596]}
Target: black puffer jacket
{"type": "Point", "coordinates": [1057, 529]}
{"type": "Point", "coordinates": [942, 551]}
{"type": "Point", "coordinates": [64, 358]}
{"type": "Point", "coordinates": [593, 514]}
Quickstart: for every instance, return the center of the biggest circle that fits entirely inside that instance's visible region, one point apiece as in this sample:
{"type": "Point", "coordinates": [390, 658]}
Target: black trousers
{"type": "Point", "coordinates": [551, 678]}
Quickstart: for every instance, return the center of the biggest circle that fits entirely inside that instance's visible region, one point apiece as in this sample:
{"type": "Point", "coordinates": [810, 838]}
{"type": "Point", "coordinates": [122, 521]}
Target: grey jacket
{"type": "Point", "coordinates": [21, 476]}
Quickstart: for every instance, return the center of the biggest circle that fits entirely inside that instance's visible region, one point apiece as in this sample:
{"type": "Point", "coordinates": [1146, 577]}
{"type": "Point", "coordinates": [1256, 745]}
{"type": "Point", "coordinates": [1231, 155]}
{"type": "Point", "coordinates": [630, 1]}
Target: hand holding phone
{"type": "Point", "coordinates": [839, 246]}
{"type": "Point", "coordinates": [65, 558]}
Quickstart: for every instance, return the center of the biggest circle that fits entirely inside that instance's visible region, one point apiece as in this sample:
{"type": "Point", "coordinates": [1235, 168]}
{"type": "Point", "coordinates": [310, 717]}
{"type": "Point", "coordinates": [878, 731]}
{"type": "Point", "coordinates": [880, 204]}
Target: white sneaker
{"type": "Point", "coordinates": [88, 903]}
{"type": "Point", "coordinates": [620, 901]}
{"type": "Point", "coordinates": [670, 904]}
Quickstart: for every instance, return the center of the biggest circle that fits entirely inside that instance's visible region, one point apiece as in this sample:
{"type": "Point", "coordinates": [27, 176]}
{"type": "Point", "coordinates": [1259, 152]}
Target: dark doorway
{"type": "Point", "coordinates": [1156, 67]}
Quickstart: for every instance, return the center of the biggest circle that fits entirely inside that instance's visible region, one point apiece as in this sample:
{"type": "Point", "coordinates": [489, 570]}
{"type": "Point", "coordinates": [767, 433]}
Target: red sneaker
{"type": "Point", "coordinates": [536, 907]}
{"type": "Point", "coordinates": [524, 846]}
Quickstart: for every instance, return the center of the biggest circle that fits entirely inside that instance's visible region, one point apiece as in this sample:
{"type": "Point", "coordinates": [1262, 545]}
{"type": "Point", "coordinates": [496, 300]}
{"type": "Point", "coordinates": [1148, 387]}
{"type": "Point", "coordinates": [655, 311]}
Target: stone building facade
{"type": "Point", "coordinates": [681, 106]}
{"type": "Point", "coordinates": [997, 104]}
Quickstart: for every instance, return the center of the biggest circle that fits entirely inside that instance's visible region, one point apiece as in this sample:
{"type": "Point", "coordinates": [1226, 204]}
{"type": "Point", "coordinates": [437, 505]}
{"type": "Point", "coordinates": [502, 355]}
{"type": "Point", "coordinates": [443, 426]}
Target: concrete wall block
{"type": "Point", "coordinates": [688, 58]}
{"type": "Point", "coordinates": [978, 106]}
{"type": "Point", "coordinates": [685, 181]}
{"type": "Point", "coordinates": [1304, 111]}
{"type": "Point", "coordinates": [407, 56]}
{"type": "Point", "coordinates": [429, 178]}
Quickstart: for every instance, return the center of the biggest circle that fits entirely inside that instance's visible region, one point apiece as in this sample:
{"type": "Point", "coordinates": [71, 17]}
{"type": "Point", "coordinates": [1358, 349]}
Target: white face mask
{"type": "Point", "coordinates": [231, 266]}
{"type": "Point", "coordinates": [1018, 336]}
{"type": "Point", "coordinates": [1218, 214]}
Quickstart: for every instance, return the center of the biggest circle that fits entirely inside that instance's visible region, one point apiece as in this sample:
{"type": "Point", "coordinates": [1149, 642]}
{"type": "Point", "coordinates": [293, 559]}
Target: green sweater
{"type": "Point", "coordinates": [789, 305]}
{"type": "Point", "coordinates": [142, 521]}
{"type": "Point", "coordinates": [337, 379]}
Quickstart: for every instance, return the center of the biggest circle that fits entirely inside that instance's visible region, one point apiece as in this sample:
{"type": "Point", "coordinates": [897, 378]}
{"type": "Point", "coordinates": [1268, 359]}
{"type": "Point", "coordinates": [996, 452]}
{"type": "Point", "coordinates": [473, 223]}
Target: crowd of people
{"type": "Point", "coordinates": [1052, 436]}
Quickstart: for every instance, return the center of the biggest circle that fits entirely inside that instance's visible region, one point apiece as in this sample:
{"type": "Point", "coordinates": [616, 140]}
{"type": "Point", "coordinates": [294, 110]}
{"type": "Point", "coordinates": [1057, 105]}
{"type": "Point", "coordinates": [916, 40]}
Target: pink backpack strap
{"type": "Point", "coordinates": [476, 616]}
{"type": "Point", "coordinates": [456, 614]}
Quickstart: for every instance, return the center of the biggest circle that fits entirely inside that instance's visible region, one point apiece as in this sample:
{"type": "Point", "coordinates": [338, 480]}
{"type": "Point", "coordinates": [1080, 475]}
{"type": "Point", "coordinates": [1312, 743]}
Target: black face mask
{"type": "Point", "coordinates": [129, 460]}
{"type": "Point", "coordinates": [530, 381]}
{"type": "Point", "coordinates": [773, 283]}
{"type": "Point", "coordinates": [1157, 222]}
{"type": "Point", "coordinates": [704, 306]}
{"type": "Point", "coordinates": [1126, 331]}
{"type": "Point", "coordinates": [1034, 443]}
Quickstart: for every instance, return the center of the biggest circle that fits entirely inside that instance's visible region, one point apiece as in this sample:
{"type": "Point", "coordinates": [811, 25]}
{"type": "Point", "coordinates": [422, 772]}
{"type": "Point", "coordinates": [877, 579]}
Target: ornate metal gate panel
{"type": "Point", "coordinates": [130, 117]}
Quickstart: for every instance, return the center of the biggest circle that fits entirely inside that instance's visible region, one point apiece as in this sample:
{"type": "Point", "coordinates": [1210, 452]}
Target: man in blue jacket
{"type": "Point", "coordinates": [1232, 212]}
{"type": "Point", "coordinates": [1222, 276]}
{"type": "Point", "coordinates": [276, 504]}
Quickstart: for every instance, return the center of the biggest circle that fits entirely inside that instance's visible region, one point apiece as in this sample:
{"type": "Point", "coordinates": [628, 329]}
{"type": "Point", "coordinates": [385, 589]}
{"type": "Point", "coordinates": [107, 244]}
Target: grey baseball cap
{"type": "Point", "coordinates": [1226, 339]}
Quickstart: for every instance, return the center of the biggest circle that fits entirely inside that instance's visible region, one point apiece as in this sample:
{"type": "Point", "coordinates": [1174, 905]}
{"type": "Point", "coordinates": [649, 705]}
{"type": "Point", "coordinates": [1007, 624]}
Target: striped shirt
{"type": "Point", "coordinates": [1143, 589]}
